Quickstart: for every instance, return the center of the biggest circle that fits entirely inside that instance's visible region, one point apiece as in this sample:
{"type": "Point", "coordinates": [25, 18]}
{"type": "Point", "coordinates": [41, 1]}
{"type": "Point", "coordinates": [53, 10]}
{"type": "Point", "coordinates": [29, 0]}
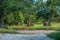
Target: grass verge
{"type": "Point", "coordinates": [54, 26]}
{"type": "Point", "coordinates": [10, 31]}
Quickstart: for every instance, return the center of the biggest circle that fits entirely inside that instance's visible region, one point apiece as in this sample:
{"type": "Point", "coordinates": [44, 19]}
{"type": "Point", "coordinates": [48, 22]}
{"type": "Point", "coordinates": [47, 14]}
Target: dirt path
{"type": "Point", "coordinates": [36, 31]}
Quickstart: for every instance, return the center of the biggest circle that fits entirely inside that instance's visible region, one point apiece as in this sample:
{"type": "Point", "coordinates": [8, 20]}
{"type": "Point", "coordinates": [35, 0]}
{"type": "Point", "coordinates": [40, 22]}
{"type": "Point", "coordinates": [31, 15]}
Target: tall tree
{"type": "Point", "coordinates": [48, 10]}
{"type": "Point", "coordinates": [9, 6]}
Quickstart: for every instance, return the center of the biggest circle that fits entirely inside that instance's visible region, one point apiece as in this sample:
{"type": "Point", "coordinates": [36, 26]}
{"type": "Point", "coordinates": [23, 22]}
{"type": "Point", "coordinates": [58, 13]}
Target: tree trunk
{"type": "Point", "coordinates": [30, 24]}
{"type": "Point", "coordinates": [1, 22]}
{"type": "Point", "coordinates": [2, 25]}
{"type": "Point", "coordinates": [1, 17]}
{"type": "Point", "coordinates": [47, 22]}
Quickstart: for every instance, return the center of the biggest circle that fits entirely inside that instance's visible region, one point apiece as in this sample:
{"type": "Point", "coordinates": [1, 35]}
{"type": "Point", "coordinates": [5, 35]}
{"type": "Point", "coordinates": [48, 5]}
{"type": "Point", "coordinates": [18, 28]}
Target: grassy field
{"type": "Point", "coordinates": [10, 31]}
{"type": "Point", "coordinates": [54, 26]}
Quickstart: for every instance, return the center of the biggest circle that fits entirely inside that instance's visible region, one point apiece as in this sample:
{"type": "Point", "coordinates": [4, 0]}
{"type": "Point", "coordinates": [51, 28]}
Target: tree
{"type": "Point", "coordinates": [48, 10]}
{"type": "Point", "coordinates": [10, 6]}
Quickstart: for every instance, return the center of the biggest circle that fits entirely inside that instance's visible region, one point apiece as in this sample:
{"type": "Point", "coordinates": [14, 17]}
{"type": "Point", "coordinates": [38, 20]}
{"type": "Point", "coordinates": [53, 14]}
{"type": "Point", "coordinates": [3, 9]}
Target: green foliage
{"type": "Point", "coordinates": [48, 9]}
{"type": "Point", "coordinates": [24, 11]}
{"type": "Point", "coordinates": [55, 35]}
{"type": "Point", "coordinates": [14, 6]}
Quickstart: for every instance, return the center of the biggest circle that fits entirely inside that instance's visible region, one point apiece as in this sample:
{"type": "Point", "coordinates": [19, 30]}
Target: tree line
{"type": "Point", "coordinates": [15, 12]}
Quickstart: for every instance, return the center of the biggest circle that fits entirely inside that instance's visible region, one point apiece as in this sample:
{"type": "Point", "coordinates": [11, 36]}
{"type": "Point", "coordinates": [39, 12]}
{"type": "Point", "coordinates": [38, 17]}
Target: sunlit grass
{"type": "Point", "coordinates": [10, 31]}
{"type": "Point", "coordinates": [14, 28]}
{"type": "Point", "coordinates": [54, 26]}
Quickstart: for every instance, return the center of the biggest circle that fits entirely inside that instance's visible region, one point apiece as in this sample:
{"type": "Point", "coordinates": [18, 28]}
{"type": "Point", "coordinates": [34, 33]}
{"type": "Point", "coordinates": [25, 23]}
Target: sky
{"type": "Point", "coordinates": [43, 0]}
{"type": "Point", "coordinates": [40, 0]}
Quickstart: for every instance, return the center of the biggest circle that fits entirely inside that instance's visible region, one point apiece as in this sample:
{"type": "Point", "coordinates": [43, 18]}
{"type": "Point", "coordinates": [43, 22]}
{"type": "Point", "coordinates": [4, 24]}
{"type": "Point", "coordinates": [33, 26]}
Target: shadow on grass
{"type": "Point", "coordinates": [54, 35]}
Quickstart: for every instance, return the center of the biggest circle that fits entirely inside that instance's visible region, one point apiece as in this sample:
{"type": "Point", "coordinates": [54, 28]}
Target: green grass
{"type": "Point", "coordinates": [13, 29]}
{"type": "Point", "coordinates": [54, 26]}
{"type": "Point", "coordinates": [55, 35]}
{"type": "Point", "coordinates": [39, 28]}
{"type": "Point", "coordinates": [10, 31]}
